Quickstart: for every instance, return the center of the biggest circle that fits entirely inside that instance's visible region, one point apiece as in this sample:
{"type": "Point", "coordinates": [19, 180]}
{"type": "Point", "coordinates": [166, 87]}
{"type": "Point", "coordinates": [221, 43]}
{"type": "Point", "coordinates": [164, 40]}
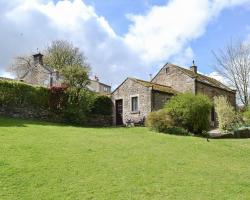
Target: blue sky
{"type": "Point", "coordinates": [122, 37]}
{"type": "Point", "coordinates": [231, 24]}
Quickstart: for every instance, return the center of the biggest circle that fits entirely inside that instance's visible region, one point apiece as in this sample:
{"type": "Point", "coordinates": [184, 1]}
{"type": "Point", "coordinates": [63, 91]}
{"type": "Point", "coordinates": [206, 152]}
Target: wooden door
{"type": "Point", "coordinates": [119, 111]}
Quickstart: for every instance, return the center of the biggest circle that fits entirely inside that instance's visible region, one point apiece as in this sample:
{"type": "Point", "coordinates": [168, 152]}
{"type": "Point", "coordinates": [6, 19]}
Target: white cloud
{"type": "Point", "coordinates": [161, 34]}
{"type": "Point", "coordinates": [166, 30]}
{"type": "Point", "coordinates": [218, 77]}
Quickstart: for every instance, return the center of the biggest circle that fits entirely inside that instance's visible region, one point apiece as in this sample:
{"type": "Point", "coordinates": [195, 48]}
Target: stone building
{"type": "Point", "coordinates": [134, 98]}
{"type": "Point", "coordinates": [40, 74]}
{"type": "Point", "coordinates": [96, 86]}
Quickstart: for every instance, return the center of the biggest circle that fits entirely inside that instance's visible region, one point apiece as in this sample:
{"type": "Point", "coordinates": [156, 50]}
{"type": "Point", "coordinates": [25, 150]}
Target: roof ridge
{"type": "Point", "coordinates": [153, 83]}
{"type": "Point", "coordinates": [196, 75]}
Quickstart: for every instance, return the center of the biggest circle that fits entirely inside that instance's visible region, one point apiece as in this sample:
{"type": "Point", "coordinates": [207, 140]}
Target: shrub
{"type": "Point", "coordinates": [102, 105]}
{"type": "Point", "coordinates": [17, 94]}
{"type": "Point", "coordinates": [78, 106]}
{"type": "Point", "coordinates": [246, 116]}
{"type": "Point", "coordinates": [58, 103]}
{"type": "Point", "coordinates": [159, 121]}
{"type": "Point", "coordinates": [190, 111]}
{"type": "Point", "coordinates": [225, 112]}
{"type": "Point", "coordinates": [57, 99]}
{"type": "Point", "coordinates": [177, 131]}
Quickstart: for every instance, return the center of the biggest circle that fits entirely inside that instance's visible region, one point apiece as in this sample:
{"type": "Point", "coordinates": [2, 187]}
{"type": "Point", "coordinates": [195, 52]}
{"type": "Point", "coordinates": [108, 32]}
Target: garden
{"type": "Point", "coordinates": [189, 114]}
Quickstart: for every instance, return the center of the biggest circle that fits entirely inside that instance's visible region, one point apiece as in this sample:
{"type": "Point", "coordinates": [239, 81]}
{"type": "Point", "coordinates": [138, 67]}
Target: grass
{"type": "Point", "coordinates": [48, 161]}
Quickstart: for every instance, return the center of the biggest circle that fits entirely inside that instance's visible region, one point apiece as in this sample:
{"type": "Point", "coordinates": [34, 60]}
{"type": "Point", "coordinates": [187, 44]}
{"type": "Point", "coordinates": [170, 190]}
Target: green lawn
{"type": "Point", "coordinates": [49, 161]}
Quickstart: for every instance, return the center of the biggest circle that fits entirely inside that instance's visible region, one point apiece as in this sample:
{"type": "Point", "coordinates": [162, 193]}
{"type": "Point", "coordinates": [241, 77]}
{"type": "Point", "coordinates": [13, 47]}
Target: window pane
{"type": "Point", "coordinates": [134, 103]}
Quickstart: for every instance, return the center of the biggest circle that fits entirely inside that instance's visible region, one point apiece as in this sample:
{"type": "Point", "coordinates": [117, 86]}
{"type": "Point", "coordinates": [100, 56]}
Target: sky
{"type": "Point", "coordinates": [125, 38]}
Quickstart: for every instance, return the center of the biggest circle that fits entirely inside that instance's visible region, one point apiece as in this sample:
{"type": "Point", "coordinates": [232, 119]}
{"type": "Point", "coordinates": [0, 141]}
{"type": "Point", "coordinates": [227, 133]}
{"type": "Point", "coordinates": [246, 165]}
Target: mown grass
{"type": "Point", "coordinates": [48, 161]}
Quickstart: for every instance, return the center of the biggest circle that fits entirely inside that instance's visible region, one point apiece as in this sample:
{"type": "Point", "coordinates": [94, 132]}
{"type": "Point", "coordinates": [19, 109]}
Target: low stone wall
{"type": "Point", "coordinates": [46, 115]}
{"type": "Point", "coordinates": [29, 113]}
{"type": "Point", "coordinates": [100, 120]}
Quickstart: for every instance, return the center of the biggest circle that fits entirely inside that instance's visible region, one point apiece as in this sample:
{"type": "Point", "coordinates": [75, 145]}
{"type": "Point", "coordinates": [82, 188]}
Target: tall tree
{"type": "Point", "coordinates": [60, 55]}
{"type": "Point", "coordinates": [69, 61]}
{"type": "Point", "coordinates": [233, 63]}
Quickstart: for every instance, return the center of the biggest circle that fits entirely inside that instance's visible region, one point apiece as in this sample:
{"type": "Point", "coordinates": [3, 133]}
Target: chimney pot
{"type": "Point", "coordinates": [38, 59]}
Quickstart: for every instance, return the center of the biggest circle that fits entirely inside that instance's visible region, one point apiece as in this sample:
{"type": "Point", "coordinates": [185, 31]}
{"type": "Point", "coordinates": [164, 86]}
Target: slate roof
{"type": "Point", "coordinates": [155, 87]}
{"type": "Point", "coordinates": [204, 79]}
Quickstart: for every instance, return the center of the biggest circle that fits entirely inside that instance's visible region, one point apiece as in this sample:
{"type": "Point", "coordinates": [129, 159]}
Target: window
{"type": "Point", "coordinates": [213, 114]}
{"type": "Point", "coordinates": [166, 70]}
{"type": "Point", "coordinates": [134, 102]}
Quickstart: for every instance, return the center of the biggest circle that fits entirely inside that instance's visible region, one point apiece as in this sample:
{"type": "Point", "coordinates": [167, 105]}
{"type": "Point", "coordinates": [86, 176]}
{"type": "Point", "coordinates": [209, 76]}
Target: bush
{"type": "Point", "coordinates": [78, 106]}
{"type": "Point", "coordinates": [102, 105]}
{"type": "Point", "coordinates": [226, 115]}
{"type": "Point", "coordinates": [57, 99]}
{"type": "Point", "coordinates": [54, 104]}
{"type": "Point", "coordinates": [159, 121]}
{"type": "Point", "coordinates": [190, 111]}
{"type": "Point", "coordinates": [246, 116]}
{"type": "Point", "coordinates": [177, 131]}
{"type": "Point", "coordinates": [17, 94]}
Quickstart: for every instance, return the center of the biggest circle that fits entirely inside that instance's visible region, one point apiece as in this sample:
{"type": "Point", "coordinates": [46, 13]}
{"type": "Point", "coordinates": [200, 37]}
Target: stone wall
{"type": "Point", "coordinates": [28, 113]}
{"type": "Point", "coordinates": [45, 115]}
{"type": "Point", "coordinates": [175, 78]}
{"type": "Point", "coordinates": [100, 120]}
{"type": "Point", "coordinates": [212, 92]}
{"type": "Point", "coordinates": [128, 89]}
{"type": "Point", "coordinates": [159, 99]}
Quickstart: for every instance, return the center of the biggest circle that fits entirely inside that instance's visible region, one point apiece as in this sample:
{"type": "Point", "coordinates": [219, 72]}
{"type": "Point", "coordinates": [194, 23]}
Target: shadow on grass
{"type": "Point", "coordinates": [17, 122]}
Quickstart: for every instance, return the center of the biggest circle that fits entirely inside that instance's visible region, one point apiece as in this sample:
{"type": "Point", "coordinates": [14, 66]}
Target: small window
{"type": "Point", "coordinates": [213, 114]}
{"type": "Point", "coordinates": [166, 70]}
{"type": "Point", "coordinates": [134, 102]}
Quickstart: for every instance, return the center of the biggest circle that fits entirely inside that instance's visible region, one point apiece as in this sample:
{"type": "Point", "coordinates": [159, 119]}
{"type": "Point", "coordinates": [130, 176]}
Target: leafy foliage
{"type": "Point", "coordinates": [57, 99]}
{"type": "Point", "coordinates": [61, 54]}
{"type": "Point", "coordinates": [75, 77]}
{"type": "Point", "coordinates": [159, 121]}
{"type": "Point", "coordinates": [190, 111]}
{"type": "Point", "coordinates": [68, 104]}
{"type": "Point", "coordinates": [70, 63]}
{"type": "Point", "coordinates": [225, 112]}
{"type": "Point", "coordinates": [102, 105]}
{"type": "Point", "coordinates": [13, 93]}
{"type": "Point", "coordinates": [246, 116]}
{"type": "Point", "coordinates": [78, 106]}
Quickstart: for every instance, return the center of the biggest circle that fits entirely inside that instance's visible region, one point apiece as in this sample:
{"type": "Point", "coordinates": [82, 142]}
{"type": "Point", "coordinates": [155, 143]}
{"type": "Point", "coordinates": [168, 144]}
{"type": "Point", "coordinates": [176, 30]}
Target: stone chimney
{"type": "Point", "coordinates": [193, 68]}
{"type": "Point", "coordinates": [38, 59]}
{"type": "Point", "coordinates": [96, 78]}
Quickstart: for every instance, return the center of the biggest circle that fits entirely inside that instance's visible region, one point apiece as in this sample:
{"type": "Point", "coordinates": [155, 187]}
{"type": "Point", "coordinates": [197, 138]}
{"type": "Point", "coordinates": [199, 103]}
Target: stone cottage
{"type": "Point", "coordinates": [96, 86]}
{"type": "Point", "coordinates": [40, 74]}
{"type": "Point", "coordinates": [134, 98]}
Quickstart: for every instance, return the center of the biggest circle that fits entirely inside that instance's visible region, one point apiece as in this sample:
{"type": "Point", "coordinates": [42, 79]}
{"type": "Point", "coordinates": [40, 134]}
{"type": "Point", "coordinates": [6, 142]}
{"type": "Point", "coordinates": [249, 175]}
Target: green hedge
{"type": "Point", "coordinates": [68, 105]}
{"type": "Point", "coordinates": [102, 105]}
{"type": "Point", "coordinates": [13, 93]}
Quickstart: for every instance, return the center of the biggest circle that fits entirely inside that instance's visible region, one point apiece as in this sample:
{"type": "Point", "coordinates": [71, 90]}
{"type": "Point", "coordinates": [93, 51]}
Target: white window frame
{"type": "Point", "coordinates": [138, 103]}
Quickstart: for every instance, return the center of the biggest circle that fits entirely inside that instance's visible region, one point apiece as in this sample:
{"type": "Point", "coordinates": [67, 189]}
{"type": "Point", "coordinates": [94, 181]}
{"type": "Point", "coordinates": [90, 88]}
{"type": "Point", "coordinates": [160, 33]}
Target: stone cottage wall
{"type": "Point", "coordinates": [212, 92]}
{"type": "Point", "coordinates": [128, 89]}
{"type": "Point", "coordinates": [159, 99]}
{"type": "Point", "coordinates": [175, 78]}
